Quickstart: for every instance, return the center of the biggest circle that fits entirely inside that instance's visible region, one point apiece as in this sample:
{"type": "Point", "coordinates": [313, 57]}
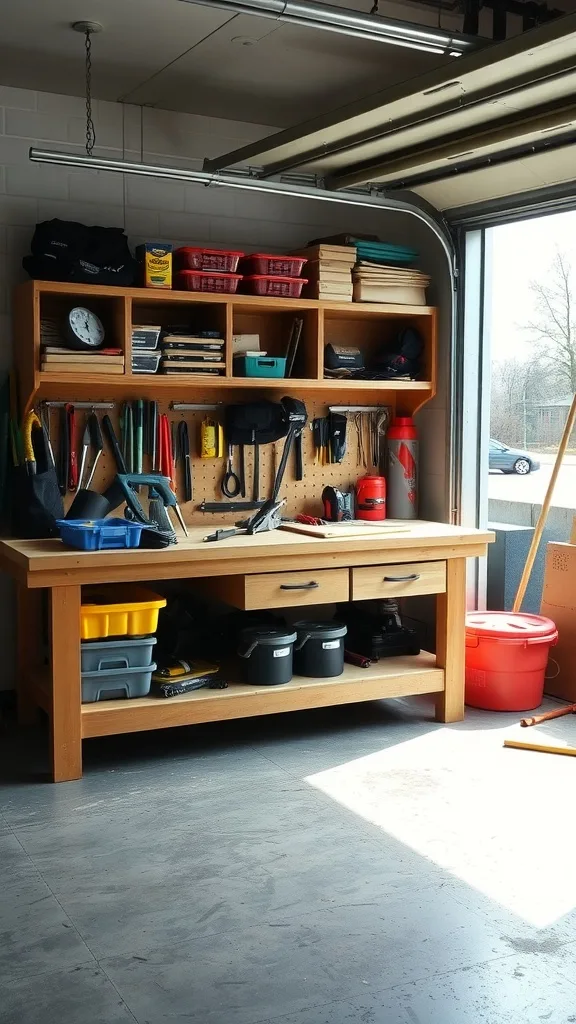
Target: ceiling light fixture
{"type": "Point", "coordinates": [351, 23]}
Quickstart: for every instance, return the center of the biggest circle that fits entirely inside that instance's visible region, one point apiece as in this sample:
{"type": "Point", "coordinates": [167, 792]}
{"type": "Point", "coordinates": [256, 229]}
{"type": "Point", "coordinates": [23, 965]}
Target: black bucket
{"type": "Point", "coordinates": [266, 655]}
{"type": "Point", "coordinates": [319, 649]}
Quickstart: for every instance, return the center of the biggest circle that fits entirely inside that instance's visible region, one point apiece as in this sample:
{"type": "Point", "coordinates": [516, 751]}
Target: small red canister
{"type": "Point", "coordinates": [371, 498]}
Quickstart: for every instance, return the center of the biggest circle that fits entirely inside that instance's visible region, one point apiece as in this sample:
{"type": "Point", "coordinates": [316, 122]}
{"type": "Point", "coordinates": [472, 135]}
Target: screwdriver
{"type": "Point", "coordinates": [166, 461]}
{"type": "Point", "coordinates": [97, 443]}
{"type": "Point", "coordinates": [85, 447]}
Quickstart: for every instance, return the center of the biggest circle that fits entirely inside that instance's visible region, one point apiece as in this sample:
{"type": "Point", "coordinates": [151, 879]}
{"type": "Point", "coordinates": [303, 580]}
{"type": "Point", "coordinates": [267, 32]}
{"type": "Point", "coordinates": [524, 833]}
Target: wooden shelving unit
{"type": "Point", "coordinates": [387, 679]}
{"type": "Point", "coordinates": [368, 325]}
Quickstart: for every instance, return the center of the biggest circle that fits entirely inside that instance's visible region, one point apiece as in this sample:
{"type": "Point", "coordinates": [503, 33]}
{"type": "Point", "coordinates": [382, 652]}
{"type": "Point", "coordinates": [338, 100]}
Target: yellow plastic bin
{"type": "Point", "coordinates": [122, 611]}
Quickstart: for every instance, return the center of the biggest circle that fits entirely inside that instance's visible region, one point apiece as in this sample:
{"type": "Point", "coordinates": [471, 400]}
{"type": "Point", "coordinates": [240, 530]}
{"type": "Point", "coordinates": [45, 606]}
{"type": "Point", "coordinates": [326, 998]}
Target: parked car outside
{"type": "Point", "coordinates": [511, 460]}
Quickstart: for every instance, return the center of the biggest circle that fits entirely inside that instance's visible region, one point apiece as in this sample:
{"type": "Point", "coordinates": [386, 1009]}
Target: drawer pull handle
{"type": "Point", "coordinates": [300, 586]}
{"type": "Point", "coordinates": [402, 579]}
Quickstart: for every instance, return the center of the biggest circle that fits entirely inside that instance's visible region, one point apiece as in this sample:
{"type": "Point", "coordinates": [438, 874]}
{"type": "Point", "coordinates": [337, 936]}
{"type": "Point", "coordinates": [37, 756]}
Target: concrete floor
{"type": "Point", "coordinates": [360, 864]}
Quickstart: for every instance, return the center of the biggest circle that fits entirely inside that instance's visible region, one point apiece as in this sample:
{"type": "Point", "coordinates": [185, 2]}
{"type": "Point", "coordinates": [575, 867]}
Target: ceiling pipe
{"type": "Point", "coordinates": [247, 183]}
{"type": "Point", "coordinates": [351, 23]}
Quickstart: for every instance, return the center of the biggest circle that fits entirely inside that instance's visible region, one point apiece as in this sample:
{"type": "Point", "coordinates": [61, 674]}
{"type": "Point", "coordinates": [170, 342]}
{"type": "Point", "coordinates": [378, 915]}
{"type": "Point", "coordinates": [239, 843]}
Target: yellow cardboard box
{"type": "Point", "coordinates": [155, 259]}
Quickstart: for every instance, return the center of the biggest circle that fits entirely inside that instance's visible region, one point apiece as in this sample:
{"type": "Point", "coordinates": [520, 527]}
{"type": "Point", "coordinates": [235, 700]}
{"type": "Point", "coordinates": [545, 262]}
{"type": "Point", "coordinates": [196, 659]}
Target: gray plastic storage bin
{"type": "Point", "coordinates": [116, 683]}
{"type": "Point", "coordinates": [102, 655]}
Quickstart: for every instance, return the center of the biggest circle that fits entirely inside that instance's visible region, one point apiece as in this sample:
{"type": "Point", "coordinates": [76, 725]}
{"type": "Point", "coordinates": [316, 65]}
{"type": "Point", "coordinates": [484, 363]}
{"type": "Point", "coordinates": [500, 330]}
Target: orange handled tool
{"type": "Point", "coordinates": [569, 709]}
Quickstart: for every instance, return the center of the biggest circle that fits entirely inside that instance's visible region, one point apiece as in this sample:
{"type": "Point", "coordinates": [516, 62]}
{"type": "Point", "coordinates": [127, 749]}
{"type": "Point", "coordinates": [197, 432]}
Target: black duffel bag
{"type": "Point", "coordinates": [63, 250]}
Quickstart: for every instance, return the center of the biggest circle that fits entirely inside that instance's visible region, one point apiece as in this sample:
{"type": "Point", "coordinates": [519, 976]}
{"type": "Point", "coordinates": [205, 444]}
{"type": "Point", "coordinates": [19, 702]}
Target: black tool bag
{"type": "Point", "coordinates": [37, 499]}
{"type": "Point", "coordinates": [255, 423]}
{"type": "Point", "coordinates": [63, 250]}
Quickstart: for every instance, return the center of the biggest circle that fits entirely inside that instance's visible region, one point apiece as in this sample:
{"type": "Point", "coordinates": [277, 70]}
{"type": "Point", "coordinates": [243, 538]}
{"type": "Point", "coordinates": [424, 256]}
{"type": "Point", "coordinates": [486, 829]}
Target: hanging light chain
{"type": "Point", "coordinates": [90, 129]}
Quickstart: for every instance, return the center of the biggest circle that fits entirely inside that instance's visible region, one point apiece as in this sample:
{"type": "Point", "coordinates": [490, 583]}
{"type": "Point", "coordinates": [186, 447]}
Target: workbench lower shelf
{"type": "Point", "coordinates": [392, 677]}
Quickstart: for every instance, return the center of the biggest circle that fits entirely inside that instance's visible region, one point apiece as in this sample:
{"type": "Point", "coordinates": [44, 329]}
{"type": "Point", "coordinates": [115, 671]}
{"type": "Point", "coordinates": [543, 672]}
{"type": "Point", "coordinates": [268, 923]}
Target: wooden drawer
{"type": "Point", "coordinates": [282, 589]}
{"type": "Point", "coordinates": [404, 580]}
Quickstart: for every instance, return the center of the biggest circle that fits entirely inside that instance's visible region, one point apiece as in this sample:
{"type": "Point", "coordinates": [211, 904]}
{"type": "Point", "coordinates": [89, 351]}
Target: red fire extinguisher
{"type": "Point", "coordinates": [371, 498]}
{"type": "Point", "coordinates": [402, 469]}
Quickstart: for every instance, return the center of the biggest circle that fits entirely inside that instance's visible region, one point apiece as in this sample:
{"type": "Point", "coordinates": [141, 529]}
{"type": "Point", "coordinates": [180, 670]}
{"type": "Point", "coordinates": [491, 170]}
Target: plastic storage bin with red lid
{"type": "Point", "coordinates": [194, 257]}
{"type": "Point", "coordinates": [279, 287]}
{"type": "Point", "coordinates": [270, 265]}
{"type": "Point", "coordinates": [206, 281]}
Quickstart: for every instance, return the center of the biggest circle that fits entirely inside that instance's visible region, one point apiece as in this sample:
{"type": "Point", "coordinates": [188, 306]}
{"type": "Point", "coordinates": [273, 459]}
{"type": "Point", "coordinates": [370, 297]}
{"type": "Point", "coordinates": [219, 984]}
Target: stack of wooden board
{"type": "Point", "coordinates": [56, 359]}
{"type": "Point", "coordinates": [183, 353]}
{"type": "Point", "coordinates": [376, 282]}
{"type": "Point", "coordinates": [329, 271]}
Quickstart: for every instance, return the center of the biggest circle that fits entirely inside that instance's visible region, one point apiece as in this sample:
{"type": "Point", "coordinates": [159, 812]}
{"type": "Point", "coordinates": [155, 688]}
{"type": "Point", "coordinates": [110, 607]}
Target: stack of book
{"type": "Point", "coordinates": [57, 359]}
{"type": "Point", "coordinates": [182, 353]}
{"type": "Point", "coordinates": [329, 271]}
{"type": "Point", "coordinates": [377, 282]}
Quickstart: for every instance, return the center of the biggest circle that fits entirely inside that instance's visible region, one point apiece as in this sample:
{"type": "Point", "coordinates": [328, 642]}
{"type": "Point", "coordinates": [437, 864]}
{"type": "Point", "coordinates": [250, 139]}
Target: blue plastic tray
{"type": "Point", "coordinates": [99, 534]}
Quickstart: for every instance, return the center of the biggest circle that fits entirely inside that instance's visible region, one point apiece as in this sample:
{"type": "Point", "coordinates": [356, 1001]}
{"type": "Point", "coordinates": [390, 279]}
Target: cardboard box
{"type": "Point", "coordinates": [155, 260]}
{"type": "Point", "coordinates": [559, 604]}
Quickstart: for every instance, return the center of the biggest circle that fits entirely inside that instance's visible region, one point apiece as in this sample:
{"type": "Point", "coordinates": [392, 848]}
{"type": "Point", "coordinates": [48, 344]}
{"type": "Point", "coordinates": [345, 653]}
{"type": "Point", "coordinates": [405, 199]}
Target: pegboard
{"type": "Point", "coordinates": [207, 474]}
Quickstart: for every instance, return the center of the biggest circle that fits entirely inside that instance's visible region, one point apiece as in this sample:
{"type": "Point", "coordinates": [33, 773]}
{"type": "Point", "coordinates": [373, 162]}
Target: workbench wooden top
{"type": "Point", "coordinates": [45, 563]}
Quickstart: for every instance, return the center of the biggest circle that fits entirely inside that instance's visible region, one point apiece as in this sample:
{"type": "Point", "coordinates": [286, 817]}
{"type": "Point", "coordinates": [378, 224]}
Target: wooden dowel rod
{"type": "Point", "coordinates": [539, 528]}
{"type": "Point", "coordinates": [542, 748]}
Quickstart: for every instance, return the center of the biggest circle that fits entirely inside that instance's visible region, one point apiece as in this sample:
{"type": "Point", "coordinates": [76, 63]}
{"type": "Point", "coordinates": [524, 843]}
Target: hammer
{"type": "Point", "coordinates": [569, 709]}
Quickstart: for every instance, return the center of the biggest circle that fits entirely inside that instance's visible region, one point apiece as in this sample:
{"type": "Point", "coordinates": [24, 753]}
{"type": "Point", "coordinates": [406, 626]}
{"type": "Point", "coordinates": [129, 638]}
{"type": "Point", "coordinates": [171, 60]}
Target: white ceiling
{"type": "Point", "coordinates": [179, 56]}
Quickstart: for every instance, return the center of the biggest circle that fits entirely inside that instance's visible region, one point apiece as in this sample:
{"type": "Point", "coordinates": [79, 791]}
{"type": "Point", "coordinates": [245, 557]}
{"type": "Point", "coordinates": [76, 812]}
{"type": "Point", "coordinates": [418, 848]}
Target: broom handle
{"type": "Point", "coordinates": [570, 709]}
{"type": "Point", "coordinates": [539, 528]}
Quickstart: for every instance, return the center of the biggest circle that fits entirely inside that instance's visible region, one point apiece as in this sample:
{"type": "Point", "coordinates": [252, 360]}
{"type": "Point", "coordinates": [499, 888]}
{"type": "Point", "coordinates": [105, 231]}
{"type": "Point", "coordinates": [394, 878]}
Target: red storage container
{"type": "Point", "coordinates": [206, 281]}
{"type": "Point", "coordinates": [191, 257]}
{"type": "Point", "coordinates": [281, 287]}
{"type": "Point", "coordinates": [276, 266]}
{"type": "Point", "coordinates": [506, 658]}
{"type": "Point", "coordinates": [371, 497]}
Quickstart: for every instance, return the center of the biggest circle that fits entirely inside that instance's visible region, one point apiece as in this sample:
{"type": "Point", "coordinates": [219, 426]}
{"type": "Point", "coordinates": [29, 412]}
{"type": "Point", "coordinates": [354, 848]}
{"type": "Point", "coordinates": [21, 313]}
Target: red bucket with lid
{"type": "Point", "coordinates": [506, 658]}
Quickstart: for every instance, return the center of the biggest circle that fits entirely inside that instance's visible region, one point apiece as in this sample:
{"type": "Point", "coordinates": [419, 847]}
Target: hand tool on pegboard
{"type": "Point", "coordinates": [96, 442]}
{"type": "Point", "coordinates": [167, 463]}
{"type": "Point", "coordinates": [183, 445]}
{"type": "Point", "coordinates": [139, 435]}
{"type": "Point", "coordinates": [113, 442]}
{"type": "Point", "coordinates": [154, 434]}
{"type": "Point", "coordinates": [45, 420]}
{"type": "Point", "coordinates": [30, 422]}
{"type": "Point", "coordinates": [85, 449]}
{"type": "Point", "coordinates": [72, 456]}
{"type": "Point", "coordinates": [127, 434]}
{"type": "Point", "coordinates": [230, 486]}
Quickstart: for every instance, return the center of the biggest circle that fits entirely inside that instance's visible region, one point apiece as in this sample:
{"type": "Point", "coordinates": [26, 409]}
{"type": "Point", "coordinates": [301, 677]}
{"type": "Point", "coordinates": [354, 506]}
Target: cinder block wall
{"type": "Point", "coordinates": [149, 209]}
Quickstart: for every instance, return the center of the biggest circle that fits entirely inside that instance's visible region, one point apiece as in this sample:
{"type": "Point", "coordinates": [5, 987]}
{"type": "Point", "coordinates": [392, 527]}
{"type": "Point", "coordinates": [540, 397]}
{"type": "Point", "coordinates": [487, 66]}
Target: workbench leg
{"type": "Point", "coordinates": [29, 629]}
{"type": "Point", "coordinates": [450, 641]}
{"type": "Point", "coordinates": [65, 719]}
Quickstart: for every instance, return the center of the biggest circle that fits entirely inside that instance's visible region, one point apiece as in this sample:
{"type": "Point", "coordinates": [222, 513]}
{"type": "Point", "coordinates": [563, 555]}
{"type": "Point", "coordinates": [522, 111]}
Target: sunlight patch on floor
{"type": "Point", "coordinates": [500, 820]}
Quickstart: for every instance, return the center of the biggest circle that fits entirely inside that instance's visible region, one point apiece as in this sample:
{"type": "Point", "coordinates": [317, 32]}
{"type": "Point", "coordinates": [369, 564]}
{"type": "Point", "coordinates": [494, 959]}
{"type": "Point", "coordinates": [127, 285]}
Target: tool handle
{"type": "Point", "coordinates": [256, 474]}
{"type": "Point", "coordinates": [139, 435]}
{"type": "Point", "coordinates": [72, 457]}
{"type": "Point", "coordinates": [570, 709]}
{"type": "Point", "coordinates": [94, 433]}
{"type": "Point", "coordinates": [113, 442]}
{"type": "Point", "coordinates": [299, 459]}
{"type": "Point", "coordinates": [63, 453]}
{"type": "Point", "coordinates": [30, 422]}
{"type": "Point", "coordinates": [153, 435]}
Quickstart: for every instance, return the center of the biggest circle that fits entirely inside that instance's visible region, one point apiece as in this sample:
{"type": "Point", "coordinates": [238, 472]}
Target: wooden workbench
{"type": "Point", "coordinates": [250, 570]}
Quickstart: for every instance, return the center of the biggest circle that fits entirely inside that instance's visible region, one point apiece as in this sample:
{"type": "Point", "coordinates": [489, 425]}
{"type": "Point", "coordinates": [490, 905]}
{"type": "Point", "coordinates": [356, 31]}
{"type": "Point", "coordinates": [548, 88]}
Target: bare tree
{"type": "Point", "coordinates": [519, 387]}
{"type": "Point", "coordinates": [553, 327]}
